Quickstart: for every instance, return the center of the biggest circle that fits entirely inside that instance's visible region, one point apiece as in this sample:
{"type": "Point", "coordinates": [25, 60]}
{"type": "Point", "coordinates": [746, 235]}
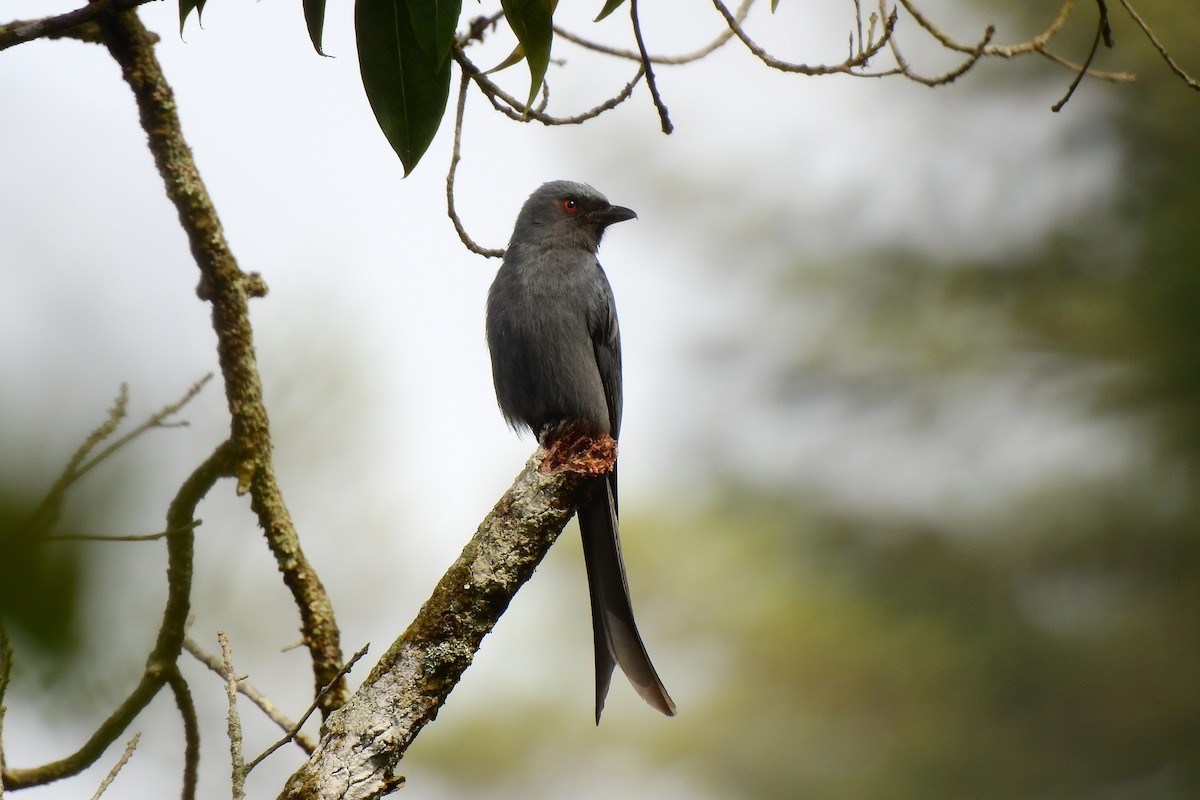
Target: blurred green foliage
{"type": "Point", "coordinates": [39, 579]}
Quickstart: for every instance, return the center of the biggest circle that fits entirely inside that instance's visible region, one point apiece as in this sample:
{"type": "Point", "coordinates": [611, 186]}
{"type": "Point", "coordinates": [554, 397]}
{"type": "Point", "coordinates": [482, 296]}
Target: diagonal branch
{"type": "Point", "coordinates": [363, 742]}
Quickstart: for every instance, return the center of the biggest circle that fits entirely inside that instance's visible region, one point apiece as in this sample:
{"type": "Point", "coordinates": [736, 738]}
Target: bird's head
{"type": "Point", "coordinates": [564, 213]}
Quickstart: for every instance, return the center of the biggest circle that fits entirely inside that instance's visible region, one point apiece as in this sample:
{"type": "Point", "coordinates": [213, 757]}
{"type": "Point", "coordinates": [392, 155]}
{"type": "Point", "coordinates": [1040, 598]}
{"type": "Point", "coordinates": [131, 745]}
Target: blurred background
{"type": "Point", "coordinates": [909, 472]}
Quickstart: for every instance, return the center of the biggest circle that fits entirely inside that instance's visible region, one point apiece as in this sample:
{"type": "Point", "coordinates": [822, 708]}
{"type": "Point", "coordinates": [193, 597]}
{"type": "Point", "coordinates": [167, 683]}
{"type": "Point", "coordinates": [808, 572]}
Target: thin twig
{"type": "Point", "coordinates": [155, 420]}
{"type": "Point", "coordinates": [121, 762]}
{"type": "Point", "coordinates": [1037, 44]}
{"type": "Point", "coordinates": [1103, 33]}
{"type": "Point", "coordinates": [514, 109]}
{"type": "Point", "coordinates": [144, 537]}
{"type": "Point", "coordinates": [455, 157]}
{"type": "Point", "coordinates": [251, 693]}
{"type": "Point", "coordinates": [973, 56]}
{"type": "Point", "coordinates": [664, 118]}
{"type": "Point", "coordinates": [295, 730]}
{"type": "Point", "coordinates": [1112, 77]}
{"type": "Point", "coordinates": [846, 67]}
{"type": "Point", "coordinates": [1162, 50]}
{"type": "Point", "coordinates": [631, 55]}
{"type": "Point", "coordinates": [48, 511]}
{"type": "Point", "coordinates": [234, 722]}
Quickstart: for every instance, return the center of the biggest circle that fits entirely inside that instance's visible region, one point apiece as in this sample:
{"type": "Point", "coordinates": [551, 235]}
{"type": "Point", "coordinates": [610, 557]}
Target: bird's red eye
{"type": "Point", "coordinates": [570, 206]}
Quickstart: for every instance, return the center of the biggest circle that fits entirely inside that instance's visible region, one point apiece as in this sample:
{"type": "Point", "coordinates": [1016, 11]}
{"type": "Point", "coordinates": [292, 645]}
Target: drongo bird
{"type": "Point", "coordinates": [556, 363]}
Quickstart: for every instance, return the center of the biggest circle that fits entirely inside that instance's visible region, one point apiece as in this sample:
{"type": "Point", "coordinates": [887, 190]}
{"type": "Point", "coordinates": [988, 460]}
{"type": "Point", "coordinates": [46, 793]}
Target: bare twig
{"type": "Point", "coordinates": [295, 729]}
{"type": "Point", "coordinates": [48, 511]}
{"type": "Point", "coordinates": [1038, 44]}
{"type": "Point", "coordinates": [156, 420]}
{"type": "Point", "coordinates": [514, 109]}
{"type": "Point", "coordinates": [1103, 33]}
{"type": "Point", "coordinates": [848, 67]}
{"type": "Point", "coordinates": [663, 117]}
{"type": "Point", "coordinates": [143, 537]}
{"type": "Point", "coordinates": [251, 693]}
{"type": "Point", "coordinates": [632, 55]}
{"type": "Point", "coordinates": [455, 157]}
{"type": "Point", "coordinates": [947, 77]}
{"type": "Point", "coordinates": [234, 722]}
{"type": "Point", "coordinates": [1162, 50]}
{"type": "Point", "coordinates": [121, 762]}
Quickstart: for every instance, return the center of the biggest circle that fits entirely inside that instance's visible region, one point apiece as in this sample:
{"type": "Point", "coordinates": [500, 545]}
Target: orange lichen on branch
{"type": "Point", "coordinates": [579, 453]}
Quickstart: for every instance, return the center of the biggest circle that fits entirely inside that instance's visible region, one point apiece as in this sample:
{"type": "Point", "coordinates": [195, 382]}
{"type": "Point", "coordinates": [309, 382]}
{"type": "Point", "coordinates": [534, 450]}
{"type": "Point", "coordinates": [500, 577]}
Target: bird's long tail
{"type": "Point", "coordinates": [616, 635]}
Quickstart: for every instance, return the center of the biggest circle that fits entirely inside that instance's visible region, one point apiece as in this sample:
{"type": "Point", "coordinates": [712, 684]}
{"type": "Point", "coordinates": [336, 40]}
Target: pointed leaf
{"type": "Point", "coordinates": [611, 6]}
{"type": "Point", "coordinates": [185, 8]}
{"type": "Point", "coordinates": [406, 89]}
{"type": "Point", "coordinates": [434, 22]}
{"type": "Point", "coordinates": [314, 18]}
{"type": "Point", "coordinates": [515, 57]}
{"type": "Point", "coordinates": [531, 21]}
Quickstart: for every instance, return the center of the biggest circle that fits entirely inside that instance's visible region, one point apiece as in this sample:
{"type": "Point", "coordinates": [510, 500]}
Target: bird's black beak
{"type": "Point", "coordinates": [611, 214]}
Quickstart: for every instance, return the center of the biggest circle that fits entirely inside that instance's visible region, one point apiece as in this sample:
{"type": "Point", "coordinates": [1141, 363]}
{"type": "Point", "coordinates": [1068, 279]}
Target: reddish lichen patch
{"type": "Point", "coordinates": [579, 453]}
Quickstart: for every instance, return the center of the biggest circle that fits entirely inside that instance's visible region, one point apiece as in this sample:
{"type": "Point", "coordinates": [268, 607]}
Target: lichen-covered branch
{"type": "Point", "coordinates": [229, 290]}
{"type": "Point", "coordinates": [363, 742]}
{"type": "Point", "coordinates": [26, 30]}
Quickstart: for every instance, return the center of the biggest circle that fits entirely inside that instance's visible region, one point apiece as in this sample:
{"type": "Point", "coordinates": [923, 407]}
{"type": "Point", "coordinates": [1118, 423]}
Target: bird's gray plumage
{"type": "Point", "coordinates": [556, 360]}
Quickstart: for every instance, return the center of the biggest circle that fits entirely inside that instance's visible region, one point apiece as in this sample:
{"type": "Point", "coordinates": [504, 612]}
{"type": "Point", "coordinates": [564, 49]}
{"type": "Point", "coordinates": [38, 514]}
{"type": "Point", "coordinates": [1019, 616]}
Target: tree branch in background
{"type": "Point", "coordinates": [363, 742]}
{"type": "Point", "coordinates": [1103, 34]}
{"type": "Point", "coordinates": [160, 664]}
{"type": "Point", "coordinates": [1162, 51]}
{"type": "Point", "coordinates": [121, 762]}
{"type": "Point", "coordinates": [233, 720]}
{"type": "Point", "coordinates": [21, 31]}
{"type": "Point", "coordinates": [294, 731]}
{"type": "Point", "coordinates": [664, 118]}
{"type": "Point", "coordinates": [191, 730]}
{"type": "Point", "coordinates": [228, 289]}
{"type": "Point", "coordinates": [252, 694]}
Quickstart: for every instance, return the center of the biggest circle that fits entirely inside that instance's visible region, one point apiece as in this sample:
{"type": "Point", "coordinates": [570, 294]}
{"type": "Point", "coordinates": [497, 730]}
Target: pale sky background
{"type": "Point", "coordinates": [389, 445]}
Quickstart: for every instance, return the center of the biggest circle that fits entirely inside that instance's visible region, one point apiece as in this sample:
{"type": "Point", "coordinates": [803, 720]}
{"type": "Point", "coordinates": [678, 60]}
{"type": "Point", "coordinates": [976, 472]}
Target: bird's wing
{"type": "Point", "coordinates": [606, 344]}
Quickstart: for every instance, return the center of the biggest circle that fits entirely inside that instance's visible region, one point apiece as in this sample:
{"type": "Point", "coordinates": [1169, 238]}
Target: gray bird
{"type": "Point", "coordinates": [556, 363]}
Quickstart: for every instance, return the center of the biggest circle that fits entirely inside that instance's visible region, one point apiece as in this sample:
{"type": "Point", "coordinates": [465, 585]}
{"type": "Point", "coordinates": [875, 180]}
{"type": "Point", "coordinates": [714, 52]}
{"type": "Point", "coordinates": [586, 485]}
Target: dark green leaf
{"type": "Point", "coordinates": [185, 8]}
{"type": "Point", "coordinates": [314, 18]}
{"type": "Point", "coordinates": [434, 22]}
{"type": "Point", "coordinates": [531, 21]}
{"type": "Point", "coordinates": [406, 89]}
{"type": "Point", "coordinates": [609, 7]}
